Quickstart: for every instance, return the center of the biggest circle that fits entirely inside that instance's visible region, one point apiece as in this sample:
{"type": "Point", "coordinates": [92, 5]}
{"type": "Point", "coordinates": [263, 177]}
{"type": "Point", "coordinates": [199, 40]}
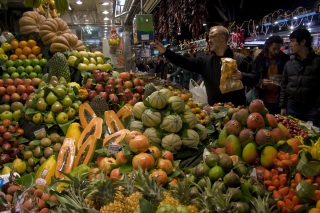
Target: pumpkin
{"type": "Point", "coordinates": [157, 100]}
{"type": "Point", "coordinates": [202, 131]}
{"type": "Point", "coordinates": [30, 22]}
{"type": "Point", "coordinates": [151, 133]}
{"type": "Point", "coordinates": [172, 123]}
{"type": "Point", "coordinates": [151, 118]}
{"type": "Point", "coordinates": [192, 139]}
{"type": "Point", "coordinates": [66, 42]}
{"type": "Point", "coordinates": [52, 28]}
{"type": "Point", "coordinates": [189, 118]}
{"type": "Point", "coordinates": [171, 142]}
{"type": "Point", "coordinates": [176, 103]}
{"type": "Point", "coordinates": [138, 109]}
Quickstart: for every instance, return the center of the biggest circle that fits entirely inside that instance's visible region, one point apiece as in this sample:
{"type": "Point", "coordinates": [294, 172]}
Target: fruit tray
{"type": "Point", "coordinates": [148, 77]}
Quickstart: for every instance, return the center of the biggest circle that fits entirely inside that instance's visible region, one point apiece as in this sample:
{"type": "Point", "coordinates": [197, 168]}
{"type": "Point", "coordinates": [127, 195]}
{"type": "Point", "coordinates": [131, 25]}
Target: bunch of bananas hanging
{"type": "Point", "coordinates": [48, 9]}
{"type": "Point", "coordinates": [62, 6]}
{"type": "Point", "coordinates": [32, 3]}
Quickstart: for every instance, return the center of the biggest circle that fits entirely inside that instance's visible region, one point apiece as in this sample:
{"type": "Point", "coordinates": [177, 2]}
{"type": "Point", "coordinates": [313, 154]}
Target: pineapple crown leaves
{"type": "Point", "coordinates": [261, 205]}
{"type": "Point", "coordinates": [183, 191]}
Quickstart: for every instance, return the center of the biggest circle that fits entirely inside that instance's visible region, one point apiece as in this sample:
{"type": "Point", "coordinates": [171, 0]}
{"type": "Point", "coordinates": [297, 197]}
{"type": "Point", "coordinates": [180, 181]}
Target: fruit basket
{"type": "Point", "coordinates": [148, 77]}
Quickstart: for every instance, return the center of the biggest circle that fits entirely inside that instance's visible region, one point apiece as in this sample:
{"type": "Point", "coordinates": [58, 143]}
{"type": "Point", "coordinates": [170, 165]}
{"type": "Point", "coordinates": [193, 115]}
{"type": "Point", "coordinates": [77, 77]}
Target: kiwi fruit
{"type": "Point", "coordinates": [31, 162]}
{"type": "Point", "coordinates": [37, 152]}
{"type": "Point", "coordinates": [42, 160]}
{"type": "Point", "coordinates": [48, 152]}
{"type": "Point", "coordinates": [45, 142]}
{"type": "Point", "coordinates": [28, 154]}
{"type": "Point", "coordinates": [41, 135]}
{"type": "Point", "coordinates": [56, 147]}
{"type": "Point", "coordinates": [55, 137]}
{"type": "Point", "coordinates": [61, 139]}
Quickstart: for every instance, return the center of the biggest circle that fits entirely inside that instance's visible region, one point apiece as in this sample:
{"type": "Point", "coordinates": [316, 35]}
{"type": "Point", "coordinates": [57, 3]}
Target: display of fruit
{"type": "Point", "coordinates": [293, 125]}
{"type": "Point", "coordinates": [53, 103]}
{"type": "Point", "coordinates": [114, 40]}
{"type": "Point", "coordinates": [25, 49]}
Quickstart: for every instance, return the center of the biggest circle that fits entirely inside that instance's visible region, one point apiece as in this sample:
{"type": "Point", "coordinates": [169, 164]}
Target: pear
{"type": "Point", "coordinates": [4, 107]}
{"type": "Point", "coordinates": [37, 118]}
{"type": "Point", "coordinates": [6, 170]}
{"type": "Point", "coordinates": [40, 94]}
{"type": "Point", "coordinates": [71, 113]}
{"type": "Point", "coordinates": [17, 105]}
{"type": "Point", "coordinates": [49, 118]}
{"type": "Point", "coordinates": [63, 81]}
{"type": "Point", "coordinates": [71, 94]}
{"type": "Point", "coordinates": [51, 98]}
{"type": "Point", "coordinates": [66, 101]}
{"type": "Point", "coordinates": [59, 91]}
{"type": "Point", "coordinates": [62, 118]}
{"type": "Point", "coordinates": [56, 107]}
{"type": "Point", "coordinates": [41, 105]}
{"type": "Point", "coordinates": [54, 81]}
{"type": "Point", "coordinates": [76, 106]}
{"type": "Point", "coordinates": [19, 166]}
{"type": "Point", "coordinates": [42, 85]}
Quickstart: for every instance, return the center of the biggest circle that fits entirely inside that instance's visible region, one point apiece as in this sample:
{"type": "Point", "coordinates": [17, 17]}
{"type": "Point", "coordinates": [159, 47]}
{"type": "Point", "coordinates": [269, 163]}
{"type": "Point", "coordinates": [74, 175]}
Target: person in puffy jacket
{"type": "Point", "coordinates": [300, 85]}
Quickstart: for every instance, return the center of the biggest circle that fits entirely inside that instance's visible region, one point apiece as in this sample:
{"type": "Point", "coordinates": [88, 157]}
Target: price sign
{"type": "Point", "coordinates": [113, 149]}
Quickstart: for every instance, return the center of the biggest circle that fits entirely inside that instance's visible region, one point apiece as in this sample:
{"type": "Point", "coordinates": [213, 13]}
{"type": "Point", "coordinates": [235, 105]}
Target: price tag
{"type": "Point", "coordinates": [280, 169]}
{"type": "Point", "coordinates": [113, 149]}
{"type": "Point", "coordinates": [3, 39]}
{"type": "Point", "coordinates": [39, 131]}
{"type": "Point", "coordinates": [254, 174]}
{"type": "Point", "coordinates": [145, 37]}
{"type": "Point", "coordinates": [298, 187]}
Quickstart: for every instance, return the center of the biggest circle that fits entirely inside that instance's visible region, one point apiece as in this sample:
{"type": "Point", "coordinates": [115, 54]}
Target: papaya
{"type": "Point", "coordinates": [83, 168]}
{"type": "Point", "coordinates": [66, 157]}
{"type": "Point", "coordinates": [93, 128]}
{"type": "Point", "coordinates": [74, 132]}
{"type": "Point", "coordinates": [113, 123]}
{"type": "Point", "coordinates": [86, 151]}
{"type": "Point", "coordinates": [46, 170]}
{"type": "Point", "coordinates": [125, 112]}
{"type": "Point", "coordinates": [116, 137]}
{"type": "Point", "coordinates": [86, 114]}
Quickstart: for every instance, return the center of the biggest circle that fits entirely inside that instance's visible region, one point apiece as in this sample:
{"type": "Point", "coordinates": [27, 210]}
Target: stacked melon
{"type": "Point", "coordinates": [166, 120]}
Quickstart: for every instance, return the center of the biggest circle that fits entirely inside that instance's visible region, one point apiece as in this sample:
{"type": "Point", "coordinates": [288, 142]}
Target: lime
{"type": "Point", "coordinates": [215, 173]}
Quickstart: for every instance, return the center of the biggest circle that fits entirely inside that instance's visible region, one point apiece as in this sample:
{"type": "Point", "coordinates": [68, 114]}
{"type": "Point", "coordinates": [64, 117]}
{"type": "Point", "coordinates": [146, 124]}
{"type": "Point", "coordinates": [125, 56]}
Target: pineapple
{"type": "Point", "coordinates": [261, 205]}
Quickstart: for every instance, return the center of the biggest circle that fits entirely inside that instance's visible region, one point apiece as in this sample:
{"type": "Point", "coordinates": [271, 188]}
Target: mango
{"type": "Point", "coordinates": [250, 153]}
{"type": "Point", "coordinates": [233, 127]}
{"type": "Point", "coordinates": [233, 146]}
{"type": "Point", "coordinates": [285, 130]}
{"type": "Point", "coordinates": [222, 138]}
{"type": "Point", "coordinates": [268, 154]}
{"type": "Point", "coordinates": [242, 116]}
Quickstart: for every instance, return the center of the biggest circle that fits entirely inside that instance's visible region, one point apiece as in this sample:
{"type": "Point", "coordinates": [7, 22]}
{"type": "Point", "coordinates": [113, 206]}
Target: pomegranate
{"type": "Point", "coordinates": [139, 143]}
{"type": "Point", "coordinates": [145, 160]}
{"type": "Point", "coordinates": [165, 165]}
{"type": "Point", "coordinates": [160, 175]}
{"type": "Point", "coordinates": [155, 151]}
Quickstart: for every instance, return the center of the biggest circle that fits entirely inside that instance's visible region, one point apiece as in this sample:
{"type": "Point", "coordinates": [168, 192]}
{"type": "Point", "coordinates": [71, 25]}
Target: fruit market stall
{"type": "Point", "coordinates": [77, 136]}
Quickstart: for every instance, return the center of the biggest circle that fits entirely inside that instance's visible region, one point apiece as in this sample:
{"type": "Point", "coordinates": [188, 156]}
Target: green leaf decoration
{"type": "Point", "coordinates": [64, 127]}
{"type": "Point", "coordinates": [305, 191]}
{"type": "Point", "coordinates": [26, 180]}
{"type": "Point", "coordinates": [210, 129]}
{"type": "Point", "coordinates": [126, 150]}
{"type": "Point", "coordinates": [23, 140]}
{"type": "Point", "coordinates": [31, 111]}
{"type": "Point", "coordinates": [146, 206]}
{"type": "Point", "coordinates": [78, 61]}
{"type": "Point", "coordinates": [308, 168]}
{"type": "Point", "coordinates": [126, 169]}
{"type": "Point", "coordinates": [284, 146]}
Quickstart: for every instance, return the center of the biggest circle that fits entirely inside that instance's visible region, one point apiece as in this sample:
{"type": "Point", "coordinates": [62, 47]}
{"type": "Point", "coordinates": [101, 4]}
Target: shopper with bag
{"type": "Point", "coordinates": [209, 67]}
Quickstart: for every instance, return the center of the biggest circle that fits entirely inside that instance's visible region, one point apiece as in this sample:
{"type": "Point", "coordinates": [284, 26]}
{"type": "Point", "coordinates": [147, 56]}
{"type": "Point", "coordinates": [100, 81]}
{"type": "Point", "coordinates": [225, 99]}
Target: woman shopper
{"type": "Point", "coordinates": [209, 67]}
{"type": "Point", "coordinates": [300, 85]}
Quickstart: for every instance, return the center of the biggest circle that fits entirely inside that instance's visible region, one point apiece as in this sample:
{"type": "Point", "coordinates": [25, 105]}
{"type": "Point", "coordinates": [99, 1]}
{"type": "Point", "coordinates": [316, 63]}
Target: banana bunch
{"type": "Point", "coordinates": [32, 3]}
{"type": "Point", "coordinates": [314, 149]}
{"type": "Point", "coordinates": [62, 5]}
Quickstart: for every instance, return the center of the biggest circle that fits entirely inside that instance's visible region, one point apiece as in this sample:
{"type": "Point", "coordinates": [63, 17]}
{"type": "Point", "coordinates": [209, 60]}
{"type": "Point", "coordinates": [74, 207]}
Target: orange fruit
{"type": "Point", "coordinates": [13, 57]}
{"type": "Point", "coordinates": [32, 43]}
{"type": "Point", "coordinates": [193, 110]}
{"type": "Point", "coordinates": [32, 56]}
{"type": "Point", "coordinates": [36, 50]}
{"type": "Point", "coordinates": [191, 104]}
{"type": "Point", "coordinates": [203, 115]}
{"type": "Point", "coordinates": [26, 51]}
{"type": "Point", "coordinates": [22, 56]}
{"type": "Point", "coordinates": [185, 96]}
{"type": "Point", "coordinates": [23, 44]}
{"type": "Point", "coordinates": [14, 44]}
{"type": "Point", "coordinates": [198, 116]}
{"type": "Point", "coordinates": [198, 110]}
{"type": "Point", "coordinates": [18, 51]}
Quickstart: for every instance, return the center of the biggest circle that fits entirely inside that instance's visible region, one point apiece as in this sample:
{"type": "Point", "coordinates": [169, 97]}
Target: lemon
{"type": "Point", "coordinates": [19, 166]}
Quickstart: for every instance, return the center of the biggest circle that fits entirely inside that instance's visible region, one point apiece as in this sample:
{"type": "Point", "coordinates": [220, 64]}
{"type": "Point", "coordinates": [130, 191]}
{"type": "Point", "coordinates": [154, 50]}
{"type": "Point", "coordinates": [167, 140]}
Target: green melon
{"type": "Point", "coordinates": [172, 123]}
{"type": "Point", "coordinates": [151, 118]}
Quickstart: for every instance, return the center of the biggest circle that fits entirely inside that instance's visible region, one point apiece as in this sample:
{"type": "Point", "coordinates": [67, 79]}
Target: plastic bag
{"type": "Point", "coordinates": [199, 93]}
{"type": "Point", "coordinates": [227, 84]}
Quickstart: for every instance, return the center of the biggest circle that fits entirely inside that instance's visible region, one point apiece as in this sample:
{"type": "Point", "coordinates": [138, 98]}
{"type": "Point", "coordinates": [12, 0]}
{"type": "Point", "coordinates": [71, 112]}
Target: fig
{"type": "Point", "coordinates": [201, 170]}
{"type": "Point", "coordinates": [225, 162]}
{"type": "Point", "coordinates": [231, 179]}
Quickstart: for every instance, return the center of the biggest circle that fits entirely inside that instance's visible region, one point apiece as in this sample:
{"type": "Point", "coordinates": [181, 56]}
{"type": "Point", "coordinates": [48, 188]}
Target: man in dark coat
{"type": "Point", "coordinates": [209, 67]}
{"type": "Point", "coordinates": [300, 85]}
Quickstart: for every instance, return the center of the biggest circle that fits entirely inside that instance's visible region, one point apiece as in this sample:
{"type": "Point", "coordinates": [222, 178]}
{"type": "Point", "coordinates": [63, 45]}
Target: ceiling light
{"type": "Point", "coordinates": [105, 12]}
{"type": "Point", "coordinates": [104, 3]}
{"type": "Point", "coordinates": [78, 2]}
{"type": "Point", "coordinates": [106, 18]}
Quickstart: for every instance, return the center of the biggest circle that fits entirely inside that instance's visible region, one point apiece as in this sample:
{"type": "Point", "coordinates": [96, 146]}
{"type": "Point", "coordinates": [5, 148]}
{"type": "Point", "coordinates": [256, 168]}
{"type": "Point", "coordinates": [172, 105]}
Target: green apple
{"type": "Point", "coordinates": [4, 107]}
{"type": "Point", "coordinates": [15, 75]}
{"type": "Point", "coordinates": [18, 63]}
{"type": "Point", "coordinates": [71, 60]}
{"type": "Point", "coordinates": [62, 118]}
{"type": "Point", "coordinates": [71, 113]}
{"type": "Point", "coordinates": [17, 115]}
{"type": "Point", "coordinates": [82, 67]}
{"type": "Point", "coordinates": [21, 69]}
{"type": "Point", "coordinates": [33, 75]}
{"type": "Point", "coordinates": [37, 69]}
{"type": "Point", "coordinates": [35, 62]}
{"type": "Point", "coordinates": [1, 51]}
{"type": "Point", "coordinates": [86, 61]}
{"type": "Point", "coordinates": [26, 62]}
{"type": "Point", "coordinates": [43, 62]}
{"type": "Point", "coordinates": [6, 46]}
{"type": "Point", "coordinates": [10, 63]}
{"type": "Point", "coordinates": [29, 69]}
{"type": "Point", "coordinates": [49, 118]}
{"type": "Point", "coordinates": [4, 57]}
{"type": "Point", "coordinates": [37, 118]}
{"type": "Point", "coordinates": [24, 75]}
{"type": "Point", "coordinates": [5, 75]}
{"type": "Point", "coordinates": [6, 115]}
{"type": "Point", "coordinates": [11, 70]}
{"type": "Point", "coordinates": [40, 75]}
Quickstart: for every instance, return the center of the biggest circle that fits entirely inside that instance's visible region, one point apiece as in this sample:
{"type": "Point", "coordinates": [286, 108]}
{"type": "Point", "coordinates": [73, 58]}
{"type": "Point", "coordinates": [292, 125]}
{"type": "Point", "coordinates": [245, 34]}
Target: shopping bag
{"type": "Point", "coordinates": [227, 84]}
{"type": "Point", "coordinates": [199, 93]}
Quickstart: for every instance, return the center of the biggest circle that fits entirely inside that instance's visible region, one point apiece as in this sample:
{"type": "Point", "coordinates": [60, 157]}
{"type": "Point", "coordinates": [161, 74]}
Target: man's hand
{"type": "Point", "coordinates": [158, 45]}
{"type": "Point", "coordinates": [236, 75]}
{"type": "Point", "coordinates": [283, 112]}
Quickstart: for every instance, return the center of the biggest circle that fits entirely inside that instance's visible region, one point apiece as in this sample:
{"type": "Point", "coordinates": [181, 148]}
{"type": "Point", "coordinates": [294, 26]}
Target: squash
{"type": "Point", "coordinates": [125, 112]}
{"type": "Point", "coordinates": [172, 123]}
{"type": "Point", "coordinates": [151, 118]}
{"type": "Point", "coordinates": [66, 157]}
{"type": "Point", "coordinates": [116, 137]}
{"type": "Point", "coordinates": [177, 104]}
{"type": "Point", "coordinates": [66, 42]}
{"type": "Point", "coordinates": [171, 142]}
{"type": "Point", "coordinates": [93, 128]}
{"type": "Point", "coordinates": [191, 140]}
{"type": "Point", "coordinates": [86, 114]}
{"type": "Point", "coordinates": [30, 22]}
{"type": "Point", "coordinates": [113, 124]}
{"type": "Point", "coordinates": [138, 109]}
{"type": "Point", "coordinates": [51, 28]}
{"type": "Point", "coordinates": [157, 100]}
{"type": "Point", "coordinates": [86, 151]}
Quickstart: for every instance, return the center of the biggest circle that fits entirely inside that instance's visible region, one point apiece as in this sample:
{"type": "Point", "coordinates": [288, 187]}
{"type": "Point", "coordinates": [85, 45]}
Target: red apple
{"type": "Point", "coordinates": [89, 83]}
{"type": "Point", "coordinates": [92, 94]}
{"type": "Point", "coordinates": [113, 98]}
{"type": "Point", "coordinates": [7, 136]}
{"type": "Point", "coordinates": [27, 81]}
{"type": "Point", "coordinates": [125, 76]}
{"type": "Point", "coordinates": [119, 89]}
{"type": "Point", "coordinates": [115, 174]}
{"type": "Point", "coordinates": [104, 95]}
{"type": "Point", "coordinates": [127, 92]}
{"type": "Point", "coordinates": [35, 82]}
{"type": "Point", "coordinates": [6, 98]}
{"type": "Point", "coordinates": [12, 129]}
{"type": "Point", "coordinates": [136, 82]}
{"type": "Point", "coordinates": [24, 97]}
{"type": "Point", "coordinates": [15, 97]}
{"type": "Point", "coordinates": [11, 89]}
{"type": "Point", "coordinates": [133, 101]}
{"type": "Point", "coordinates": [119, 81]}
{"type": "Point", "coordinates": [142, 82]}
{"type": "Point", "coordinates": [3, 129]}
{"type": "Point", "coordinates": [3, 90]}
{"type": "Point", "coordinates": [139, 89]}
{"type": "Point", "coordinates": [30, 89]}
{"type": "Point", "coordinates": [105, 75]}
{"type": "Point", "coordinates": [1, 82]}
{"type": "Point", "coordinates": [137, 96]}
{"type": "Point", "coordinates": [21, 89]}
{"type": "Point", "coordinates": [6, 122]}
{"type": "Point", "coordinates": [128, 84]}
{"type": "Point", "coordinates": [168, 155]}
{"type": "Point", "coordinates": [99, 87]}
{"type": "Point", "coordinates": [109, 88]}
{"type": "Point", "coordinates": [17, 82]}
{"type": "Point", "coordinates": [8, 82]}
{"type": "Point", "coordinates": [111, 81]}
{"type": "Point", "coordinates": [133, 75]}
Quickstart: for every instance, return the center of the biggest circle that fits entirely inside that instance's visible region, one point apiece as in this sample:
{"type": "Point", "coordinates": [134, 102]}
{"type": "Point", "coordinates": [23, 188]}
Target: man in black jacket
{"type": "Point", "coordinates": [300, 86]}
{"type": "Point", "coordinates": [209, 67]}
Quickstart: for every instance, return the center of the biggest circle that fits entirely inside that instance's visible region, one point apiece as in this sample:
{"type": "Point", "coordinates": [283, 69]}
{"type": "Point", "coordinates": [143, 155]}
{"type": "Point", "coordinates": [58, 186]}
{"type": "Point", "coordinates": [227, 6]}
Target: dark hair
{"type": "Point", "coordinates": [273, 39]}
{"type": "Point", "coordinates": [302, 34]}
